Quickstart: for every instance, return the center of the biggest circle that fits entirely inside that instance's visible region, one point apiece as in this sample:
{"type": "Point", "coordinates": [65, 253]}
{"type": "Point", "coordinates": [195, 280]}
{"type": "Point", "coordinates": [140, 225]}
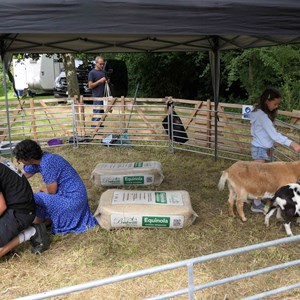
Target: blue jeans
{"type": "Point", "coordinates": [97, 111]}
{"type": "Point", "coordinates": [259, 153]}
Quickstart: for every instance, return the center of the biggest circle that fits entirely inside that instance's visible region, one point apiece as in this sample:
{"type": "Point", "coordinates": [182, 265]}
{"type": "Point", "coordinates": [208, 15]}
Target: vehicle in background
{"type": "Point", "coordinates": [116, 71]}
{"type": "Point", "coordinates": [20, 76]}
{"type": "Point", "coordinates": [36, 76]}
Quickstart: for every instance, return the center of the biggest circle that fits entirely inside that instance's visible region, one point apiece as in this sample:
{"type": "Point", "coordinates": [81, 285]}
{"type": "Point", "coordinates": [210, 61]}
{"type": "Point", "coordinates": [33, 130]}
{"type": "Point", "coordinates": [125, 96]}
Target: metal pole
{"type": "Point", "coordinates": [74, 125]}
{"type": "Point", "coordinates": [6, 105]}
{"type": "Point", "coordinates": [191, 285]}
{"type": "Point", "coordinates": [215, 71]}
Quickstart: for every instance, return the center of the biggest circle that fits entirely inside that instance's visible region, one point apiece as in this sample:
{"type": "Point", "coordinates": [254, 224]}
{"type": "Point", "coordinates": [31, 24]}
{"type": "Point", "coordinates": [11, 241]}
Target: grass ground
{"type": "Point", "coordinates": [11, 97]}
{"type": "Point", "coordinates": [96, 254]}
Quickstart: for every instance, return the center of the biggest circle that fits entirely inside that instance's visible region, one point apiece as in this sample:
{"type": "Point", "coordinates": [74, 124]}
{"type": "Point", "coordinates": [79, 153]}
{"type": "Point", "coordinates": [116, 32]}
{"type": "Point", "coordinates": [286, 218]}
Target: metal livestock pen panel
{"type": "Point", "coordinates": [189, 265]}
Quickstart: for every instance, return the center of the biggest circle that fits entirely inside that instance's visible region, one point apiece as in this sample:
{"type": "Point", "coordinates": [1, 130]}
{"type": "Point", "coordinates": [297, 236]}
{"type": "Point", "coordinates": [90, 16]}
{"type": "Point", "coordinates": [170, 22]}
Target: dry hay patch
{"type": "Point", "coordinates": [96, 254]}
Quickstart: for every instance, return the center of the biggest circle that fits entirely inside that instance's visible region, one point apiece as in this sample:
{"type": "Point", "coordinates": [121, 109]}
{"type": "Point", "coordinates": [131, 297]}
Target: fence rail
{"type": "Point", "coordinates": [140, 120]}
{"type": "Point", "coordinates": [189, 264]}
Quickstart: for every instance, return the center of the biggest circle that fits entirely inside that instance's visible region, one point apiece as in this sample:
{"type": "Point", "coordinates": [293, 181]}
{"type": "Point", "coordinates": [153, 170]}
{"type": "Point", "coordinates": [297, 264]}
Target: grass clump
{"type": "Point", "coordinates": [97, 253]}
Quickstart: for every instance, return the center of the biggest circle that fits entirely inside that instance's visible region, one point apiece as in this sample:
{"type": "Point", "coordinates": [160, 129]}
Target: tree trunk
{"type": "Point", "coordinates": [71, 75]}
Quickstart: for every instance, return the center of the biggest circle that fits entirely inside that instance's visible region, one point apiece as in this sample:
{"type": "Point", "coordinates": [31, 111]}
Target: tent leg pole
{"type": "Point", "coordinates": [215, 71]}
{"type": "Point", "coordinates": [6, 104]}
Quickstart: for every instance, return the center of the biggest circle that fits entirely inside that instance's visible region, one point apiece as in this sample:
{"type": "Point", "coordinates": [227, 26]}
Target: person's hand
{"type": "Point", "coordinates": [102, 80]}
{"type": "Point", "coordinates": [44, 189]}
{"type": "Point", "coordinates": [295, 146]}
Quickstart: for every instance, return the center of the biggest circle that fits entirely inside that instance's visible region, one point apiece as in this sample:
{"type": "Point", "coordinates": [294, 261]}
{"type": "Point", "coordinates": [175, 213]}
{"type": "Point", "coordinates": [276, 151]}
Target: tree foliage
{"type": "Point", "coordinates": [244, 74]}
{"type": "Point", "coordinates": [176, 74]}
{"type": "Point", "coordinates": [8, 83]}
{"type": "Point", "coordinates": [259, 68]}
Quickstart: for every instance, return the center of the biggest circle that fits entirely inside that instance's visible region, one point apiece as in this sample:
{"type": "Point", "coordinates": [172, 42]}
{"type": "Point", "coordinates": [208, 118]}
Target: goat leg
{"type": "Point", "coordinates": [288, 216]}
{"type": "Point", "coordinates": [240, 210]}
{"type": "Point", "coordinates": [231, 200]}
{"type": "Point", "coordinates": [269, 214]}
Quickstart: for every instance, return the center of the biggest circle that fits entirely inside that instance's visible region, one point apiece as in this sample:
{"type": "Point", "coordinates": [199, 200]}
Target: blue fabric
{"type": "Point", "coordinates": [98, 91]}
{"type": "Point", "coordinates": [68, 208]}
{"type": "Point", "coordinates": [259, 153]}
{"type": "Point", "coordinates": [95, 75]}
{"type": "Point", "coordinates": [97, 111]}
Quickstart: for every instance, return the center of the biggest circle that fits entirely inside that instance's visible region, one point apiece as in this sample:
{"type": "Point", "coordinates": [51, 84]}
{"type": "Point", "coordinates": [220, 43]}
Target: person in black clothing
{"type": "Point", "coordinates": [17, 212]}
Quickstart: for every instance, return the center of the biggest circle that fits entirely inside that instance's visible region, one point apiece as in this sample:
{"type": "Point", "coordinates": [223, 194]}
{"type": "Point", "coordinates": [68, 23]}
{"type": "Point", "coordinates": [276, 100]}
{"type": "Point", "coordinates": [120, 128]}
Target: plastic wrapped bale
{"type": "Point", "coordinates": [157, 209]}
{"type": "Point", "coordinates": [128, 174]}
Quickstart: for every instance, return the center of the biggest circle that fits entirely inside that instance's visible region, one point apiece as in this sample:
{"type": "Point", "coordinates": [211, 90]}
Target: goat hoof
{"type": "Point", "coordinates": [244, 219]}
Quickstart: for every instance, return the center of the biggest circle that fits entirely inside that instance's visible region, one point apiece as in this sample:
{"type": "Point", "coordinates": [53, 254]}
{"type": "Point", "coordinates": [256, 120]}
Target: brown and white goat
{"type": "Point", "coordinates": [286, 201]}
{"type": "Point", "coordinates": [254, 180]}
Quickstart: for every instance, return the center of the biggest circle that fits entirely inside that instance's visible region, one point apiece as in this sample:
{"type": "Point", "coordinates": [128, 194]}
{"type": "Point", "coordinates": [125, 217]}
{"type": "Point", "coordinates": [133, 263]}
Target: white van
{"type": "Point", "coordinates": [20, 76]}
{"type": "Point", "coordinates": [37, 76]}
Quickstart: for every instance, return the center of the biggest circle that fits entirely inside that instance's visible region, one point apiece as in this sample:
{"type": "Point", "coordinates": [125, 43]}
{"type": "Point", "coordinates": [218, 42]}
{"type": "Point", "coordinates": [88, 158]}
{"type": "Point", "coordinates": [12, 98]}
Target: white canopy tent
{"type": "Point", "coordinates": [98, 26]}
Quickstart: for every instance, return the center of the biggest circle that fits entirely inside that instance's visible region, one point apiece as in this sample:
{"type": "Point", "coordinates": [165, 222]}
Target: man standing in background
{"type": "Point", "coordinates": [96, 82]}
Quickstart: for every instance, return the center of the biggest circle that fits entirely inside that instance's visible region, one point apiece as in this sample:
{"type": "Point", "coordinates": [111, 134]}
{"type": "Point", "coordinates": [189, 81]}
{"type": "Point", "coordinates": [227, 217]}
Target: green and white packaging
{"type": "Point", "coordinates": [128, 174]}
{"type": "Point", "coordinates": [151, 209]}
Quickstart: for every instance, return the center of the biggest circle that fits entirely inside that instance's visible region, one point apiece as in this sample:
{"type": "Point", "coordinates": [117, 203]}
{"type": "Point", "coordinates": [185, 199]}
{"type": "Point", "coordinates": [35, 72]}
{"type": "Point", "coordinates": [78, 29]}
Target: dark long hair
{"type": "Point", "coordinates": [268, 95]}
{"type": "Point", "coordinates": [28, 149]}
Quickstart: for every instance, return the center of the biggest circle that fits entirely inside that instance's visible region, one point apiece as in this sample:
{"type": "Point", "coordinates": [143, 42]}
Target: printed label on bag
{"type": "Point", "coordinates": [117, 180]}
{"type": "Point", "coordinates": [128, 180]}
{"type": "Point", "coordinates": [136, 165]}
{"type": "Point", "coordinates": [150, 221]}
{"type": "Point", "coordinates": [120, 220]}
{"type": "Point", "coordinates": [147, 197]}
{"type": "Point", "coordinates": [111, 180]}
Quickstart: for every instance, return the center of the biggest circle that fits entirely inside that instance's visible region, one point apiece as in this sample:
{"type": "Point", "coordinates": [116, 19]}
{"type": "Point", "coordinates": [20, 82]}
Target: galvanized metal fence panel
{"type": "Point", "coordinates": [189, 264]}
{"type": "Point", "coordinates": [139, 122]}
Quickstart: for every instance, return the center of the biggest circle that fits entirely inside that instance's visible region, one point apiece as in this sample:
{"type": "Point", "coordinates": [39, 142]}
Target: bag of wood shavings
{"type": "Point", "coordinates": [157, 209]}
{"type": "Point", "coordinates": [128, 174]}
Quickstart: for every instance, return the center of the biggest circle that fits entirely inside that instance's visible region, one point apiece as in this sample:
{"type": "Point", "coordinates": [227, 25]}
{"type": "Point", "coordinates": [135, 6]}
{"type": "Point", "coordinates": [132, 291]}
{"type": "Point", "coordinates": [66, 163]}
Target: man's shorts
{"type": "Point", "coordinates": [259, 153]}
{"type": "Point", "coordinates": [12, 223]}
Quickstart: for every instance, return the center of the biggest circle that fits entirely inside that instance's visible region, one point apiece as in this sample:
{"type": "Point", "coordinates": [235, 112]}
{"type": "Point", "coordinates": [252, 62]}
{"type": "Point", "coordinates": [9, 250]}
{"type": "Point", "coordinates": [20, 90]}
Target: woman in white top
{"type": "Point", "coordinates": [264, 133]}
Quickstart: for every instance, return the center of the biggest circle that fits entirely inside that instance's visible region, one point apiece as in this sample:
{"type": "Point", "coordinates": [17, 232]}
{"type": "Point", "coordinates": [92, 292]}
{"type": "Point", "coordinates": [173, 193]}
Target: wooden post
{"type": "Point", "coordinates": [166, 108]}
{"type": "Point", "coordinates": [123, 112]}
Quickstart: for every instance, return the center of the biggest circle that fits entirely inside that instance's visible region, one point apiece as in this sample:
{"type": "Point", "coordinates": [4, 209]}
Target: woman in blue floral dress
{"type": "Point", "coordinates": [63, 200]}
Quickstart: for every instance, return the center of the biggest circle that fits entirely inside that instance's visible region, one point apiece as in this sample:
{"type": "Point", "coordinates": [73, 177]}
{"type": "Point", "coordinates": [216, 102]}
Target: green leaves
{"type": "Point", "coordinates": [259, 68]}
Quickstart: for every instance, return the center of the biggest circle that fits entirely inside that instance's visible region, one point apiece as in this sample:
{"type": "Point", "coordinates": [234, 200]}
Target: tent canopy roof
{"type": "Point", "coordinates": [56, 26]}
